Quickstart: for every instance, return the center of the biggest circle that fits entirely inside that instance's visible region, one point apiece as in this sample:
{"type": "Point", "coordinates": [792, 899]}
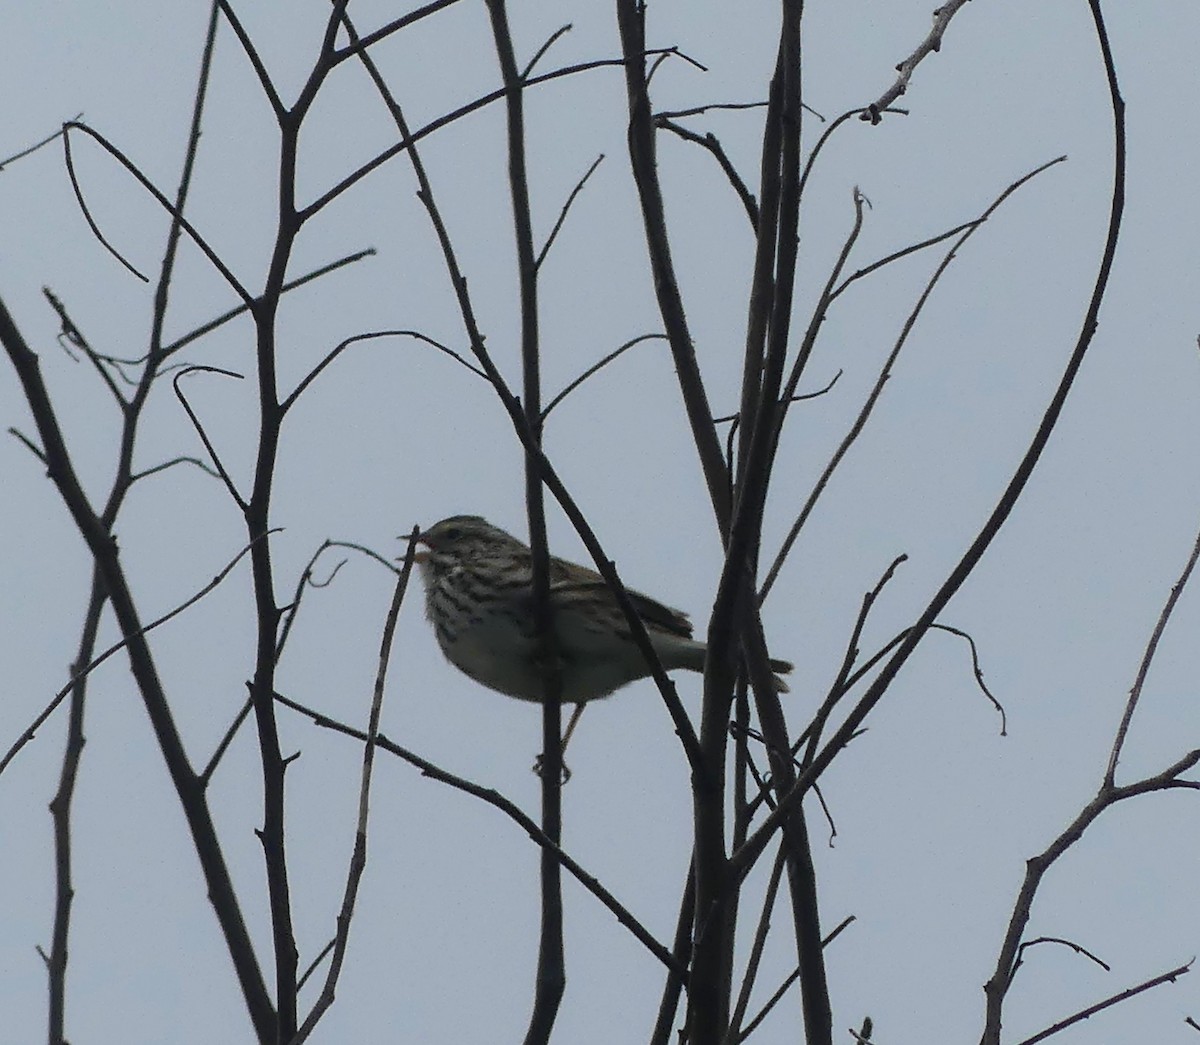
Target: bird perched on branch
{"type": "Point", "coordinates": [479, 598]}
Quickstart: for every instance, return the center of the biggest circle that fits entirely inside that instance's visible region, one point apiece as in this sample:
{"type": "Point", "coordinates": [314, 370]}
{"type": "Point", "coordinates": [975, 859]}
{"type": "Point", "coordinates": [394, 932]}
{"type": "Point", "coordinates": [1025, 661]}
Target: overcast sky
{"type": "Point", "coordinates": [935, 812]}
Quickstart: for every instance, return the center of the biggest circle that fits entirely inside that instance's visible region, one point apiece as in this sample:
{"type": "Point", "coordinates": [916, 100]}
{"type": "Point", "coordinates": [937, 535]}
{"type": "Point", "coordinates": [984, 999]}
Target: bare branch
{"type": "Point", "coordinates": [155, 469]}
{"type": "Point", "coordinates": [86, 211]}
{"type": "Point", "coordinates": [1116, 999]}
{"type": "Point", "coordinates": [28, 443]}
{"type": "Point", "coordinates": [242, 309]}
{"type": "Point", "coordinates": [313, 374]}
{"type": "Point", "coordinates": [975, 666]}
{"type": "Point", "coordinates": [1065, 943]}
{"type": "Point", "coordinates": [31, 731]}
{"type": "Point", "coordinates": [212, 452]}
{"type": "Point", "coordinates": [597, 367]}
{"type": "Point", "coordinates": [562, 214]}
{"type": "Point", "coordinates": [162, 200]}
{"type": "Point", "coordinates": [931, 43]}
{"type": "Point", "coordinates": [540, 53]}
{"type": "Point", "coordinates": [358, 860]}
{"type": "Point", "coordinates": [513, 812]}
{"type": "Point", "coordinates": [1135, 691]}
{"type": "Point", "coordinates": [226, 740]}
{"type": "Point", "coordinates": [698, 110]}
{"type": "Point", "coordinates": [37, 145]}
{"type": "Point", "coordinates": [885, 372]}
{"type": "Point", "coordinates": [710, 142]}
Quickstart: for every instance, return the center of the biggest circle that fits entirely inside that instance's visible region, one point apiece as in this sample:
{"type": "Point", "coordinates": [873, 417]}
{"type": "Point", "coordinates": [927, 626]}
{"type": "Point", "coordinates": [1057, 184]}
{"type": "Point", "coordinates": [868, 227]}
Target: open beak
{"type": "Point", "coordinates": [423, 545]}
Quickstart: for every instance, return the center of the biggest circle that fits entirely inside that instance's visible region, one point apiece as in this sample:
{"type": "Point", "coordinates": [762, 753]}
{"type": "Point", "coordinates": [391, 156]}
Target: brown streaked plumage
{"type": "Point", "coordinates": [479, 598]}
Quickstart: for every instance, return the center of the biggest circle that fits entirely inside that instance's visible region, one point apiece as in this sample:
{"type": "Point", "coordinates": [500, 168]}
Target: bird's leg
{"type": "Point", "coordinates": [576, 715]}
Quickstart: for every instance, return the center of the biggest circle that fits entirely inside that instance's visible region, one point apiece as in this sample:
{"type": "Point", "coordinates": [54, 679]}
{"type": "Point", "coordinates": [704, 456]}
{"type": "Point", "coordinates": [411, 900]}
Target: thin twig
{"type": "Point", "coordinates": [597, 367]}
{"type": "Point", "coordinates": [712, 144]}
{"type": "Point", "coordinates": [46, 712]}
{"type": "Point", "coordinates": [207, 328]}
{"type": "Point", "coordinates": [1135, 691]}
{"type": "Point", "coordinates": [1125, 995]}
{"type": "Point", "coordinates": [338, 349]}
{"type": "Point", "coordinates": [37, 145]}
{"type": "Point", "coordinates": [540, 53]}
{"type": "Point", "coordinates": [226, 740]}
{"type": "Point", "coordinates": [885, 372]}
{"type": "Point", "coordinates": [313, 965]}
{"type": "Point", "coordinates": [562, 214]}
{"type": "Point", "coordinates": [1064, 943]}
{"type": "Point", "coordinates": [358, 859]}
{"type": "Point", "coordinates": [978, 670]}
{"type": "Point", "coordinates": [86, 211]}
{"type": "Point", "coordinates": [771, 1002]}
{"type": "Point", "coordinates": [513, 812]}
{"type": "Point", "coordinates": [162, 200]}
{"type": "Point", "coordinates": [155, 469]}
{"type": "Point", "coordinates": [212, 450]}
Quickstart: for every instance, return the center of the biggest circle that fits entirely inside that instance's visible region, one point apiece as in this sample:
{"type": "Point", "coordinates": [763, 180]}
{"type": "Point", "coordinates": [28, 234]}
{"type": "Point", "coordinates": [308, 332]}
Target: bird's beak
{"type": "Point", "coordinates": [422, 554]}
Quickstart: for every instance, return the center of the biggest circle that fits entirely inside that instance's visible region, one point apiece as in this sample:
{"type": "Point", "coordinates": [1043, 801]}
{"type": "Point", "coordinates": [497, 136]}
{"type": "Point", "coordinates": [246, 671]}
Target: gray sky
{"type": "Point", "coordinates": [935, 812]}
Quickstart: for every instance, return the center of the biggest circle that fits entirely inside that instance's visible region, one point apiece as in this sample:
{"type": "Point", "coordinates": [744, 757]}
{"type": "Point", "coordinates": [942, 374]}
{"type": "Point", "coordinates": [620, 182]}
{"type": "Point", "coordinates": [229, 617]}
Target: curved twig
{"type": "Point", "coordinates": [165, 203]}
{"type": "Point", "coordinates": [711, 143]}
{"type": "Point", "coordinates": [338, 349]}
{"type": "Point", "coordinates": [212, 450]}
{"type": "Point", "coordinates": [597, 367]}
{"type": "Point", "coordinates": [31, 731]}
{"type": "Point", "coordinates": [155, 469]}
{"type": "Point", "coordinates": [86, 211]}
{"type": "Point", "coordinates": [540, 53]}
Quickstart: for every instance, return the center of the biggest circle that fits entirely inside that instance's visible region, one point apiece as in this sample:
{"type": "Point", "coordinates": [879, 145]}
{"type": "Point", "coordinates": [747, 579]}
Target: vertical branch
{"type": "Point", "coordinates": [185, 780]}
{"type": "Point", "coordinates": [643, 162]}
{"type": "Point", "coordinates": [358, 859]}
{"type": "Point", "coordinates": [60, 812]}
{"type": "Point", "coordinates": [257, 519]}
{"type": "Point", "coordinates": [189, 788]}
{"type": "Point", "coordinates": [551, 971]}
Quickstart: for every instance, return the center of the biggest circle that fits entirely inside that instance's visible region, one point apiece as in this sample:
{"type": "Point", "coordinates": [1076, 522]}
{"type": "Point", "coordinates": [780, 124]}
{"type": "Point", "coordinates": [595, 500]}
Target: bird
{"type": "Point", "coordinates": [479, 598]}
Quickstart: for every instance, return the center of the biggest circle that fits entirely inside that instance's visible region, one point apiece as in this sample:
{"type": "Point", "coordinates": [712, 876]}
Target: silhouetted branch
{"type": "Point", "coordinates": [978, 670]}
{"type": "Point", "coordinates": [86, 211]}
{"type": "Point", "coordinates": [155, 469]}
{"type": "Point", "coordinates": [597, 367]}
{"type": "Point", "coordinates": [212, 451]}
{"type": "Point", "coordinates": [166, 204]}
{"type": "Point", "coordinates": [710, 142]}
{"type": "Point", "coordinates": [61, 695]}
{"type": "Point", "coordinates": [358, 860]}
{"type": "Point", "coordinates": [512, 811]}
{"type": "Point", "coordinates": [562, 217]}
{"type": "Point", "coordinates": [1064, 943]}
{"type": "Point", "coordinates": [885, 372]}
{"type": "Point", "coordinates": [313, 374]}
{"type": "Point", "coordinates": [242, 309]}
{"type": "Point", "coordinates": [540, 53]}
{"type": "Point", "coordinates": [1125, 995]}
{"type": "Point", "coordinates": [36, 145]}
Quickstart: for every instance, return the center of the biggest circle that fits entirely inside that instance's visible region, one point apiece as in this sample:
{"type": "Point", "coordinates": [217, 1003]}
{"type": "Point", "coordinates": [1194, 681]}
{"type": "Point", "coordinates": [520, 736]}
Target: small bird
{"type": "Point", "coordinates": [479, 598]}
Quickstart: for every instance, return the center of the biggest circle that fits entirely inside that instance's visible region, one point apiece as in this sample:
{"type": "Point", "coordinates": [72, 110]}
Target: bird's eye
{"type": "Point", "coordinates": [452, 534]}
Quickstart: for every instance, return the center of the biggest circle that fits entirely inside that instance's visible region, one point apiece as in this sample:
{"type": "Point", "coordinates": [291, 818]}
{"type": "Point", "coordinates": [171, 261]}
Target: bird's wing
{"type": "Point", "coordinates": [564, 589]}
